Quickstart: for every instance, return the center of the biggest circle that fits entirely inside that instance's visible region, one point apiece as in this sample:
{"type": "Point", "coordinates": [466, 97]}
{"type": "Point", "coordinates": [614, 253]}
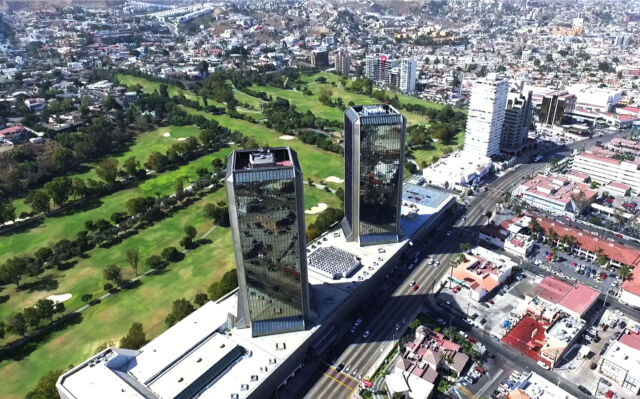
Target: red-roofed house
{"type": "Point", "coordinates": [14, 134]}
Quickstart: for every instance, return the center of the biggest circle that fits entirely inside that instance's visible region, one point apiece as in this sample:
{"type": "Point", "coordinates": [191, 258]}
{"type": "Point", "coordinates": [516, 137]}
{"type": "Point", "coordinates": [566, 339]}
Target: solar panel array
{"type": "Point", "coordinates": [333, 262]}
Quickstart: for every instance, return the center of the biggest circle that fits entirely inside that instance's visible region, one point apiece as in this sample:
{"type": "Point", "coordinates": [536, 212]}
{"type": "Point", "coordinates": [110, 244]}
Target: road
{"type": "Point", "coordinates": [399, 305]}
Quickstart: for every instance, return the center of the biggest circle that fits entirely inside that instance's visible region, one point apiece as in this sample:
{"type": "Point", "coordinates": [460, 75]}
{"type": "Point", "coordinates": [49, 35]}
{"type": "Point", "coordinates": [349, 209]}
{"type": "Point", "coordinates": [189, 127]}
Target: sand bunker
{"type": "Point", "coordinates": [321, 207]}
{"type": "Point", "coordinates": [166, 134]}
{"type": "Point", "coordinates": [334, 179]}
{"type": "Point", "coordinates": [182, 138]}
{"type": "Point", "coordinates": [59, 298]}
{"type": "Point", "coordinates": [287, 137]}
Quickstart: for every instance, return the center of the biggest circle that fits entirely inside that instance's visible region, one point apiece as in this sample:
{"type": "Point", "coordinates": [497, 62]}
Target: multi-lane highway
{"type": "Point", "coordinates": [398, 304]}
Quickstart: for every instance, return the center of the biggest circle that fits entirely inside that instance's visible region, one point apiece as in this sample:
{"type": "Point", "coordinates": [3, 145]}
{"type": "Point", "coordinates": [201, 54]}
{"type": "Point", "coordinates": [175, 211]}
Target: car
{"type": "Point", "coordinates": [491, 301]}
{"type": "Point", "coordinates": [412, 283]}
{"type": "Point", "coordinates": [455, 289]}
{"type": "Point", "coordinates": [448, 234]}
{"type": "Point", "coordinates": [609, 394]}
{"type": "Point", "coordinates": [472, 340]}
{"type": "Point", "coordinates": [543, 365]}
{"type": "Point", "coordinates": [340, 367]}
{"type": "Point", "coordinates": [357, 322]}
{"type": "Point", "coordinates": [436, 263]}
{"type": "Point", "coordinates": [429, 261]}
{"type": "Point", "coordinates": [584, 390]}
{"type": "Point", "coordinates": [353, 329]}
{"type": "Point", "coordinates": [415, 288]}
{"type": "Point", "coordinates": [366, 334]}
{"type": "Point", "coordinates": [605, 382]}
{"type": "Point", "coordinates": [440, 321]}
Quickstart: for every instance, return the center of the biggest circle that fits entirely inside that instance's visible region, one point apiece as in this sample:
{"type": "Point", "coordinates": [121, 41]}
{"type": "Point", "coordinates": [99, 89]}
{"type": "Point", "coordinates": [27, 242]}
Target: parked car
{"type": "Point", "coordinates": [584, 390]}
{"type": "Point", "coordinates": [366, 334]}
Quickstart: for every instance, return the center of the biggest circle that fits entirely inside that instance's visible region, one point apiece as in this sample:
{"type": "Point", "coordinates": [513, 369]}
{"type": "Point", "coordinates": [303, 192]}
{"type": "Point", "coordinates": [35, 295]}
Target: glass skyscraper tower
{"type": "Point", "coordinates": [266, 211]}
{"type": "Point", "coordinates": [374, 139]}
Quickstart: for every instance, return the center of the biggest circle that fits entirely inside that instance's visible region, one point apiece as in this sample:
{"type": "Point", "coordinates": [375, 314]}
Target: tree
{"type": "Point", "coordinates": [201, 298]}
{"type": "Point", "coordinates": [624, 272]}
{"type": "Point", "coordinates": [38, 200]}
{"type": "Point", "coordinates": [79, 188]}
{"type": "Point", "coordinates": [156, 161]}
{"type": "Point", "coordinates": [12, 271]}
{"type": "Point", "coordinates": [16, 324]}
{"type": "Point", "coordinates": [154, 261]}
{"type": "Point", "coordinates": [130, 166]}
{"type": "Point", "coordinates": [133, 254]}
{"type": "Point", "coordinates": [179, 190]}
{"type": "Point", "coordinates": [7, 211]}
{"type": "Point", "coordinates": [3, 330]}
{"type": "Point", "coordinates": [46, 309]}
{"type": "Point", "coordinates": [60, 188]}
{"type": "Point", "coordinates": [135, 338]}
{"type": "Point", "coordinates": [190, 232]}
{"type": "Point", "coordinates": [170, 254]}
{"type": "Point", "coordinates": [340, 193]}
{"type": "Point", "coordinates": [139, 205]}
{"type": "Point", "coordinates": [180, 309]}
{"type": "Point", "coordinates": [32, 317]}
{"type": "Point", "coordinates": [113, 274]}
{"type": "Point", "coordinates": [107, 170]}
{"type": "Point", "coordinates": [464, 247]}
{"type": "Point", "coordinates": [219, 214]}
{"type": "Point", "coordinates": [46, 387]}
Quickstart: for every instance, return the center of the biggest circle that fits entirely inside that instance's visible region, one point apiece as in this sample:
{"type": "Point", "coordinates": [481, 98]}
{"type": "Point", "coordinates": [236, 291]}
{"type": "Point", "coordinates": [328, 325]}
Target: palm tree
{"type": "Point", "coordinates": [624, 272]}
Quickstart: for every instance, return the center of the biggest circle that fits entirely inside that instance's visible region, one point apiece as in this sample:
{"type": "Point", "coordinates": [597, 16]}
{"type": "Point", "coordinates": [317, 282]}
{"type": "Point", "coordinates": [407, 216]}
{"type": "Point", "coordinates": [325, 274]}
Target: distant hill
{"type": "Point", "coordinates": [15, 5]}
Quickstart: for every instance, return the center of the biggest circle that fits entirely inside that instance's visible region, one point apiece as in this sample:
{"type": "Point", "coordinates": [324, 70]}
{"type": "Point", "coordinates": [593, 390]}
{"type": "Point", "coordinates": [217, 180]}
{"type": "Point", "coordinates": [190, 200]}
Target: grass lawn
{"type": "Point", "coordinates": [29, 238]}
{"type": "Point", "coordinates": [149, 86]}
{"type": "Point", "coordinates": [148, 304]}
{"type": "Point", "coordinates": [421, 155]}
{"type": "Point", "coordinates": [303, 102]}
{"type": "Point", "coordinates": [313, 196]}
{"type": "Point", "coordinates": [145, 143]}
{"type": "Point", "coordinates": [316, 164]}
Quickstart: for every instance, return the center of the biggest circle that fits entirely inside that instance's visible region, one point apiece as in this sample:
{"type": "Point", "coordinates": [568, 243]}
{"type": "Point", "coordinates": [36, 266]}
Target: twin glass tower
{"type": "Point", "coordinates": [266, 211]}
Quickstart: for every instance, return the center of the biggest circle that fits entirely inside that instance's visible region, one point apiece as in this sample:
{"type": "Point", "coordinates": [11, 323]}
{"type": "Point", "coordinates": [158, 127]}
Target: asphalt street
{"type": "Point", "coordinates": [358, 354]}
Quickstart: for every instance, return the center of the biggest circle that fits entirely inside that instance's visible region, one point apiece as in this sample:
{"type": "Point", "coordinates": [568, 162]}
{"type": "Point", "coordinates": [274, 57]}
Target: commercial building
{"type": "Point", "coordinates": [342, 62]}
{"type": "Point", "coordinates": [594, 98]}
{"type": "Point", "coordinates": [621, 362]}
{"type": "Point", "coordinates": [486, 116]}
{"type": "Point", "coordinates": [407, 75]}
{"type": "Point", "coordinates": [320, 58]}
{"type": "Point", "coordinates": [266, 210]}
{"type": "Point", "coordinates": [602, 167]}
{"type": "Point", "coordinates": [482, 272]}
{"type": "Point", "coordinates": [534, 386]}
{"type": "Point", "coordinates": [206, 354]}
{"type": "Point", "coordinates": [458, 170]}
{"type": "Point", "coordinates": [555, 106]}
{"type": "Point", "coordinates": [556, 194]}
{"type": "Point", "coordinates": [374, 141]}
{"type": "Point", "coordinates": [517, 120]}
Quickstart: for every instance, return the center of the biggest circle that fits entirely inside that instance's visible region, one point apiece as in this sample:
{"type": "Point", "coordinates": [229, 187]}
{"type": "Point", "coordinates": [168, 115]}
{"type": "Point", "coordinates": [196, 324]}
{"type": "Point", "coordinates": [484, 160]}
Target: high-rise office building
{"type": "Point", "coordinates": [320, 58]}
{"type": "Point", "coordinates": [407, 75]}
{"type": "Point", "coordinates": [486, 116]}
{"type": "Point", "coordinates": [374, 138]}
{"type": "Point", "coordinates": [517, 120]}
{"type": "Point", "coordinates": [342, 62]}
{"type": "Point", "coordinates": [266, 210]}
{"type": "Point", "coordinates": [378, 68]}
{"type": "Point", "coordinates": [555, 105]}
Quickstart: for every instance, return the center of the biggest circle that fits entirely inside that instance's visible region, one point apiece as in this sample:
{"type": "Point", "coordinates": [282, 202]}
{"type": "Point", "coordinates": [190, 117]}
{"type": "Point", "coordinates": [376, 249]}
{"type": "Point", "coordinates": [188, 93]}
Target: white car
{"type": "Point", "coordinates": [543, 365]}
{"type": "Point", "coordinates": [366, 334]}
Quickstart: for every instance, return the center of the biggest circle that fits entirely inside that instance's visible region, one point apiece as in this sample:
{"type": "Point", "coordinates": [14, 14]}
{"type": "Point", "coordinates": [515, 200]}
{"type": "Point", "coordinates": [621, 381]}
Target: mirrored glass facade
{"type": "Point", "coordinates": [374, 158]}
{"type": "Point", "coordinates": [267, 219]}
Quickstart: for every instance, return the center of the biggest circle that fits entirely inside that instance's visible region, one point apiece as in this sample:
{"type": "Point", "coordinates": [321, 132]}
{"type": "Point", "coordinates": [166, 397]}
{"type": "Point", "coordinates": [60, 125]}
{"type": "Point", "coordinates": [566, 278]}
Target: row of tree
{"type": "Point", "coordinates": [31, 318]}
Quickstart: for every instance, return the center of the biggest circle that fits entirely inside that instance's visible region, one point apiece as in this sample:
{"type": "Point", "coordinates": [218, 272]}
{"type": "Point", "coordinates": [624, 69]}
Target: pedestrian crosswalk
{"type": "Point", "coordinates": [464, 390]}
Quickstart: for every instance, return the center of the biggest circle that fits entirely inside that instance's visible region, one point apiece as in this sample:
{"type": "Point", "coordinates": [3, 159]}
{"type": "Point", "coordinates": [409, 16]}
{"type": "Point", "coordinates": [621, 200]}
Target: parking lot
{"type": "Point", "coordinates": [574, 269]}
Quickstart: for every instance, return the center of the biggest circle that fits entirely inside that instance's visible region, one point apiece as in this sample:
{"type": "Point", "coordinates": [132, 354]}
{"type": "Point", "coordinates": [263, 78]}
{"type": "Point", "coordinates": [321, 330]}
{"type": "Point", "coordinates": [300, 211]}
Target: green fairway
{"type": "Point", "coordinates": [316, 164]}
{"type": "Point", "coordinates": [65, 225]}
{"type": "Point", "coordinates": [149, 86]}
{"type": "Point", "coordinates": [302, 102]}
{"type": "Point", "coordinates": [148, 304]}
{"type": "Point", "coordinates": [427, 156]}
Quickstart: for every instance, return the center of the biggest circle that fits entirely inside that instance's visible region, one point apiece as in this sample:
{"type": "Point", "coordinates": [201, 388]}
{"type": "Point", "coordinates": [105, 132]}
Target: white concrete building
{"type": "Point", "coordinates": [486, 116]}
{"type": "Point", "coordinates": [621, 362]}
{"type": "Point", "coordinates": [600, 165]}
{"type": "Point", "coordinates": [539, 388]}
{"type": "Point", "coordinates": [407, 75]}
